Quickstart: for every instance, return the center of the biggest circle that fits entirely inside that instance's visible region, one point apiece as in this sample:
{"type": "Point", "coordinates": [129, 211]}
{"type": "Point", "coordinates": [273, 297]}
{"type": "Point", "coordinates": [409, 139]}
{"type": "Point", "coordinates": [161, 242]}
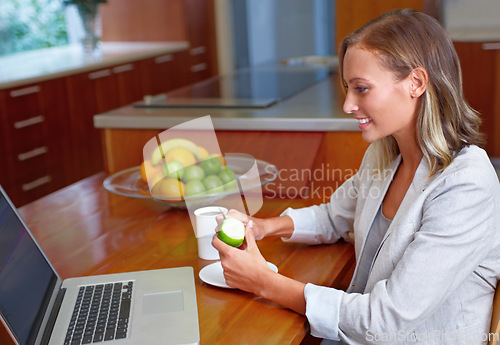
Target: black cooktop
{"type": "Point", "coordinates": [246, 88]}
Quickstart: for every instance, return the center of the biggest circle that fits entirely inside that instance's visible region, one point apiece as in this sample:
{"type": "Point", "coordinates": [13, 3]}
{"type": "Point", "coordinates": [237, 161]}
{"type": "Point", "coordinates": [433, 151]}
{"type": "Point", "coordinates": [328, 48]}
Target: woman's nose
{"type": "Point", "coordinates": [350, 106]}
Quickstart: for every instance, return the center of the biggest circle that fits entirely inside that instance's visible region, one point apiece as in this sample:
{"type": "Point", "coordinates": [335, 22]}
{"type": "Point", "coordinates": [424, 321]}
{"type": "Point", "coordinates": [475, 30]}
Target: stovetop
{"type": "Point", "coordinates": [246, 88]}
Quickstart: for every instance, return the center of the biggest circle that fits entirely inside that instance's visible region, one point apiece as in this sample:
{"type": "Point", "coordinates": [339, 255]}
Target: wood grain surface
{"type": "Point", "coordinates": [86, 230]}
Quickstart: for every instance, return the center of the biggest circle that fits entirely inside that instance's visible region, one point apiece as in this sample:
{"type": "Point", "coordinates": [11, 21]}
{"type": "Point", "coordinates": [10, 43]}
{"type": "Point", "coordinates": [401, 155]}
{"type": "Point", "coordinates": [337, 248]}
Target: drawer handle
{"type": "Point", "coordinates": [33, 153]}
{"type": "Point", "coordinates": [100, 74]}
{"type": "Point", "coordinates": [36, 183]}
{"type": "Point", "coordinates": [163, 59]}
{"type": "Point", "coordinates": [199, 67]}
{"type": "Point", "coordinates": [29, 122]}
{"type": "Point", "coordinates": [491, 46]}
{"type": "Point", "coordinates": [123, 68]}
{"type": "Point", "coordinates": [198, 51]}
{"type": "Point", "coordinates": [25, 91]}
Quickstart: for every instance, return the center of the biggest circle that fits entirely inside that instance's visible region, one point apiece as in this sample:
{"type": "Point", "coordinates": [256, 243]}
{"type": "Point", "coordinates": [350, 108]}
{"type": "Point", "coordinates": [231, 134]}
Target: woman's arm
{"type": "Point", "coordinates": [260, 280]}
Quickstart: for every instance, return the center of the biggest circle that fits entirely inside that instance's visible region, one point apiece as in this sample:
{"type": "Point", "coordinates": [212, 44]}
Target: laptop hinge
{"type": "Point", "coordinates": [53, 316]}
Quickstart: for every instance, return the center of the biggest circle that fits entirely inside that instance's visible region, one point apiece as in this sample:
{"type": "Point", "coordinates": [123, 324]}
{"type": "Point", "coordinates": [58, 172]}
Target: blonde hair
{"type": "Point", "coordinates": [405, 40]}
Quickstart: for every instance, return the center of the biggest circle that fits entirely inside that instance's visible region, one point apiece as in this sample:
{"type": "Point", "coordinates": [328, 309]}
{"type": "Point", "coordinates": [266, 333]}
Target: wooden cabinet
{"type": "Point", "coordinates": [92, 93]}
{"type": "Point", "coordinates": [480, 64]}
{"type": "Point", "coordinates": [163, 73]}
{"type": "Point", "coordinates": [200, 24]}
{"type": "Point", "coordinates": [36, 132]}
{"type": "Point", "coordinates": [47, 134]}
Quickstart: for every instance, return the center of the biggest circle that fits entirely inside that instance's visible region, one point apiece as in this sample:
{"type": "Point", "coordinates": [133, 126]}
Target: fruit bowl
{"type": "Point", "coordinates": [129, 183]}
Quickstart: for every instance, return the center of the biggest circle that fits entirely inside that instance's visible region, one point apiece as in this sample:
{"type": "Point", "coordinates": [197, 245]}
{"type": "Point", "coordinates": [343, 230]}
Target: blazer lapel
{"type": "Point", "coordinates": [420, 181]}
{"type": "Point", "coordinates": [376, 193]}
{"type": "Point", "coordinates": [374, 196]}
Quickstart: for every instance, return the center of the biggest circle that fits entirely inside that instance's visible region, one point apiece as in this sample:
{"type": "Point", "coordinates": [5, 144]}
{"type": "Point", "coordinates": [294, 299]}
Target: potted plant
{"type": "Point", "coordinates": [89, 14]}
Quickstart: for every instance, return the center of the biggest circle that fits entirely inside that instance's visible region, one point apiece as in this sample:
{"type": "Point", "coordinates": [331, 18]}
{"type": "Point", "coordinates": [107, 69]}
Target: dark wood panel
{"type": "Point", "coordinates": [351, 15]}
{"type": "Point", "coordinates": [479, 77]}
{"type": "Point", "coordinates": [86, 230]}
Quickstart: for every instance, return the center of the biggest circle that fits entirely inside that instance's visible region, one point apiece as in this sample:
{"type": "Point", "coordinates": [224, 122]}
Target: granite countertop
{"type": "Point", "coordinates": [317, 108]}
{"type": "Point", "coordinates": [50, 63]}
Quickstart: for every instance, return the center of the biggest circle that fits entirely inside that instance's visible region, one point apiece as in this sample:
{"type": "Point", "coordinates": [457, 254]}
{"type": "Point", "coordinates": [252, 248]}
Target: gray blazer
{"type": "Point", "coordinates": [433, 277]}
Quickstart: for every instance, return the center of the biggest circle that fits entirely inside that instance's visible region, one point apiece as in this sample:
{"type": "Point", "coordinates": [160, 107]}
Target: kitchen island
{"type": "Point", "coordinates": [313, 143]}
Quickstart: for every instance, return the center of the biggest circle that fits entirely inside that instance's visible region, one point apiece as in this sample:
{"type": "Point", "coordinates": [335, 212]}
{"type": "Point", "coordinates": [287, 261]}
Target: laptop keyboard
{"type": "Point", "coordinates": [101, 313]}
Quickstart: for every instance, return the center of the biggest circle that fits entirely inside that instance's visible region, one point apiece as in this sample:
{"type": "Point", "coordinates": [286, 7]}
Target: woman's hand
{"type": "Point", "coordinates": [258, 228]}
{"type": "Point", "coordinates": [245, 269]}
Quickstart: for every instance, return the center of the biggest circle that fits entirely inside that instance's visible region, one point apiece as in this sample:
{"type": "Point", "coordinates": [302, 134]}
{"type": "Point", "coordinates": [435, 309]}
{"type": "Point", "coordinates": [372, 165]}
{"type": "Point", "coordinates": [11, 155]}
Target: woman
{"type": "Point", "coordinates": [423, 209]}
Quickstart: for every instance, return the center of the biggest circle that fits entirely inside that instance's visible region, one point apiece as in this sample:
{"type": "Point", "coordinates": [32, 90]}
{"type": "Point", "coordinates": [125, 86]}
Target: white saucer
{"type": "Point", "coordinates": [213, 274]}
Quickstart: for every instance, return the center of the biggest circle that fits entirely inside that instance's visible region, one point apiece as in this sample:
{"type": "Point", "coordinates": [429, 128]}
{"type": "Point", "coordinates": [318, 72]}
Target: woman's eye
{"type": "Point", "coordinates": [361, 89]}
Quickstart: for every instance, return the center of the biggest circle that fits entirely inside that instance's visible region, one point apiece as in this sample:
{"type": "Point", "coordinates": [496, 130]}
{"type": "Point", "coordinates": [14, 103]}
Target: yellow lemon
{"type": "Point", "coordinates": [182, 155]}
{"type": "Point", "coordinates": [203, 151]}
{"type": "Point", "coordinates": [147, 168]}
{"type": "Point", "coordinates": [168, 188]}
{"type": "Point", "coordinates": [158, 176]}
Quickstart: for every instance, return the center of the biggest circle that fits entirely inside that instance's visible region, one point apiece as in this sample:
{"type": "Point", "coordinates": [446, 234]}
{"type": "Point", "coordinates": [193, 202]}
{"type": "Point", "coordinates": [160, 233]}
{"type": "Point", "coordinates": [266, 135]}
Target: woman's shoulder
{"type": "Point", "coordinates": [474, 160]}
{"type": "Point", "coordinates": [472, 166]}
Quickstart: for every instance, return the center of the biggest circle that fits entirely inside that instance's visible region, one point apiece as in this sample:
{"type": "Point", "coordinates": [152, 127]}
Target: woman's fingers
{"type": "Point", "coordinates": [250, 237]}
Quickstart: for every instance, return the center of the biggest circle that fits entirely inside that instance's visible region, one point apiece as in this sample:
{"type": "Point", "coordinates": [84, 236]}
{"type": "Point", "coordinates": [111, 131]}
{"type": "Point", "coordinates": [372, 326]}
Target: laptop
{"type": "Point", "coordinates": [37, 307]}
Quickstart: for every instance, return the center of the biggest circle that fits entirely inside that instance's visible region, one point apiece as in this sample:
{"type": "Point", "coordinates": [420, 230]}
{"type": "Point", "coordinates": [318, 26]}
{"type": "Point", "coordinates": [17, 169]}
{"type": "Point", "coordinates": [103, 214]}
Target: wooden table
{"type": "Point", "coordinates": [86, 230]}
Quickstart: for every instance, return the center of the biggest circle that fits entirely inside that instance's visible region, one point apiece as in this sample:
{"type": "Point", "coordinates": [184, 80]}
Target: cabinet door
{"type": "Point", "coordinates": [37, 133]}
{"type": "Point", "coordinates": [478, 72]}
{"type": "Point", "coordinates": [164, 73]}
{"type": "Point", "coordinates": [200, 22]}
{"type": "Point", "coordinates": [4, 171]}
{"type": "Point", "coordinates": [89, 94]}
{"type": "Point", "coordinates": [93, 93]}
{"type": "Point", "coordinates": [128, 79]}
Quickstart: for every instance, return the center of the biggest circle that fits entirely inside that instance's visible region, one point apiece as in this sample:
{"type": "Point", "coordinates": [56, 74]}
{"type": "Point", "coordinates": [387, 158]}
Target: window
{"type": "Point", "coordinates": [31, 24]}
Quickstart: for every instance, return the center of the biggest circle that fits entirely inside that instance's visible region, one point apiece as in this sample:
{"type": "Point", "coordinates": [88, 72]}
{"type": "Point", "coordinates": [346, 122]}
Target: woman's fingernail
{"type": "Point", "coordinates": [250, 224]}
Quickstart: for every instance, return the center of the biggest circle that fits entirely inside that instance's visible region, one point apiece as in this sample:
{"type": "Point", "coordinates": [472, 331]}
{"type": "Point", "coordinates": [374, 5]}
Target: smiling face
{"type": "Point", "coordinates": [382, 105]}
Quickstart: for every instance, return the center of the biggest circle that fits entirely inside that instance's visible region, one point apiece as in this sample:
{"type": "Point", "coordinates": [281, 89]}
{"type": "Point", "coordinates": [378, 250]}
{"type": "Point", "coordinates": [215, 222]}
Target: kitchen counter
{"type": "Point", "coordinates": [475, 35]}
{"type": "Point", "coordinates": [306, 132]}
{"type": "Point", "coordinates": [45, 64]}
{"type": "Point", "coordinates": [317, 108]}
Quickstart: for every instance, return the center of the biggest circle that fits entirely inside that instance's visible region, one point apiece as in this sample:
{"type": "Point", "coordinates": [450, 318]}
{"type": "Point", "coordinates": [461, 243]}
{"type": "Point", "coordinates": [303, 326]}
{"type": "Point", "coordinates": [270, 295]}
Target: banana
{"type": "Point", "coordinates": [160, 151]}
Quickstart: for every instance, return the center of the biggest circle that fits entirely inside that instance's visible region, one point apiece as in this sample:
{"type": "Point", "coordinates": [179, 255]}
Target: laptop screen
{"type": "Point", "coordinates": [26, 278]}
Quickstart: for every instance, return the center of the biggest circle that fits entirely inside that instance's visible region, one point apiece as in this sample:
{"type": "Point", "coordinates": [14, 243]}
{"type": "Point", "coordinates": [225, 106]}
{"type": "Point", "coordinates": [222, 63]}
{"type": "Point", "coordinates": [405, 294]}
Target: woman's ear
{"type": "Point", "coordinates": [418, 82]}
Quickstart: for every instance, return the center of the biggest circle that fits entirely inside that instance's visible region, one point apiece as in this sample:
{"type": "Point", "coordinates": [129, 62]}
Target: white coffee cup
{"type": "Point", "coordinates": [206, 223]}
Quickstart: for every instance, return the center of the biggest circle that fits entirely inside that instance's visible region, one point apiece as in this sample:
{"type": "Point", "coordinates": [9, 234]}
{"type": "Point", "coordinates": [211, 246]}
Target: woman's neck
{"type": "Point", "coordinates": [411, 154]}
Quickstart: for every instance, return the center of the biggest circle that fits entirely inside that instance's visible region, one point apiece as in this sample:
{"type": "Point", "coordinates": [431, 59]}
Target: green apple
{"type": "Point", "coordinates": [194, 188]}
{"type": "Point", "coordinates": [232, 232]}
{"type": "Point", "coordinates": [211, 165]}
{"type": "Point", "coordinates": [193, 172]}
{"type": "Point", "coordinates": [173, 169]}
{"type": "Point", "coordinates": [213, 184]}
{"type": "Point", "coordinates": [227, 175]}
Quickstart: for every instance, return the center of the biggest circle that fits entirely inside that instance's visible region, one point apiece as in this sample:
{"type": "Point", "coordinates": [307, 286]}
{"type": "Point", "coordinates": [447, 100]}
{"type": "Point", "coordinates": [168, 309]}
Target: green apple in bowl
{"type": "Point", "coordinates": [232, 232]}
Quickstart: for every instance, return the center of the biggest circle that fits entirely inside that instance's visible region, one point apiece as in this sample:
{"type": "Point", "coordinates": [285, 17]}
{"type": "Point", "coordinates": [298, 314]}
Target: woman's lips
{"type": "Point", "coordinates": [363, 122]}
